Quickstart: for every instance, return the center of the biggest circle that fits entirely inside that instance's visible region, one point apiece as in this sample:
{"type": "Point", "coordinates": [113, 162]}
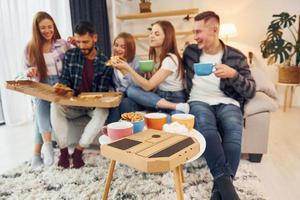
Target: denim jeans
{"type": "Point", "coordinates": [221, 125]}
{"type": "Point", "coordinates": [42, 113]}
{"type": "Point", "coordinates": [149, 99]}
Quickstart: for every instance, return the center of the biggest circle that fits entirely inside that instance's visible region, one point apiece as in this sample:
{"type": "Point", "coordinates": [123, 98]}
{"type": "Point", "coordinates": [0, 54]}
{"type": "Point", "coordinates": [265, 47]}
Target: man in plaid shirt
{"type": "Point", "coordinates": [84, 70]}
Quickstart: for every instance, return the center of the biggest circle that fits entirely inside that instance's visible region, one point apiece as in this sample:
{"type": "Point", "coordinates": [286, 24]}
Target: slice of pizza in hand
{"type": "Point", "coordinates": [62, 89]}
{"type": "Point", "coordinates": [114, 58]}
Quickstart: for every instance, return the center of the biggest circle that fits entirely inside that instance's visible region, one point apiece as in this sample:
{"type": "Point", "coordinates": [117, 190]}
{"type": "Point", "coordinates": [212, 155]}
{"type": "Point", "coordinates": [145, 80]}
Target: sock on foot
{"type": "Point", "coordinates": [63, 160]}
{"type": "Point", "coordinates": [183, 107]}
{"type": "Point", "coordinates": [36, 161]}
{"type": "Point", "coordinates": [77, 159]}
{"type": "Point", "coordinates": [48, 154]}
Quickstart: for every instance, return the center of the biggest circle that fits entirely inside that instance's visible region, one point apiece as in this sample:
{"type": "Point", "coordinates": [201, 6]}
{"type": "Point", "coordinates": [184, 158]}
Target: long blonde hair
{"type": "Point", "coordinates": [35, 46]}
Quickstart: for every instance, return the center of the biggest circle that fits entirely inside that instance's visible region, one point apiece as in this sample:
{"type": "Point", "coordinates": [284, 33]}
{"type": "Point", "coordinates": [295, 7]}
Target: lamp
{"type": "Point", "coordinates": [227, 31]}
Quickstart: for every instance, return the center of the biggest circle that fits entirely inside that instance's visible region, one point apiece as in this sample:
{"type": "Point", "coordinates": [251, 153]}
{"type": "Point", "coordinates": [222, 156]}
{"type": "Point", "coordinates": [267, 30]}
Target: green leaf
{"type": "Point", "coordinates": [284, 20]}
{"type": "Point", "coordinates": [274, 47]}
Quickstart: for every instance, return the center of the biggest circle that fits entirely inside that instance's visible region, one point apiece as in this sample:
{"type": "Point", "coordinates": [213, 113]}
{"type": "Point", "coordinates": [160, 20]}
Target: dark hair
{"type": "Point", "coordinates": [206, 16]}
{"type": "Point", "coordinates": [129, 45]}
{"type": "Point", "coordinates": [84, 27]}
{"type": "Point", "coordinates": [169, 46]}
{"type": "Point", "coordinates": [35, 46]}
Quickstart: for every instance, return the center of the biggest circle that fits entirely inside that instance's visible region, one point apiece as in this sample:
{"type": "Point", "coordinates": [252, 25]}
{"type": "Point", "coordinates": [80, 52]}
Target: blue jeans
{"type": "Point", "coordinates": [42, 114]}
{"type": "Point", "coordinates": [149, 100]}
{"type": "Point", "coordinates": [221, 125]}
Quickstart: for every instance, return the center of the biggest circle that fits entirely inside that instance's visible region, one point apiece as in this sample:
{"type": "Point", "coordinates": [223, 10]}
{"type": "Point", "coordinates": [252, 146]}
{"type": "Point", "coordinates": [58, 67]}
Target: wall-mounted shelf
{"type": "Point", "coordinates": [145, 35]}
{"type": "Point", "coordinates": [159, 14]}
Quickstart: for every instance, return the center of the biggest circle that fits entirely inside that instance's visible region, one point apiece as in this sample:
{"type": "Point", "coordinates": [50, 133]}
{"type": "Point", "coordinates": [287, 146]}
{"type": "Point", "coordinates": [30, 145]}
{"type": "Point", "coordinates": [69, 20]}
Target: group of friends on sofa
{"type": "Point", "coordinates": [217, 100]}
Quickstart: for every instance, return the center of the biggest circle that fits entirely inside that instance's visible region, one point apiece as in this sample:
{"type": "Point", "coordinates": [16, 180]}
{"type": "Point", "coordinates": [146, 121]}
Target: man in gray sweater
{"type": "Point", "coordinates": [217, 100]}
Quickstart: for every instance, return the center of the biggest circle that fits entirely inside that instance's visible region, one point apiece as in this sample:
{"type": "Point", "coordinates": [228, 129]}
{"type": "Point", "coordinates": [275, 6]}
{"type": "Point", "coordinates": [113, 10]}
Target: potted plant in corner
{"type": "Point", "coordinates": [277, 49]}
{"type": "Point", "coordinates": [145, 6]}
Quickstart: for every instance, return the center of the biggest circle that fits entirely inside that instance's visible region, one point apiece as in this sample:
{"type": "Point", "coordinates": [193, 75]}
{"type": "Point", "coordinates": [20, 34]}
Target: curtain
{"type": "Point", "coordinates": [94, 11]}
{"type": "Point", "coordinates": [15, 21]}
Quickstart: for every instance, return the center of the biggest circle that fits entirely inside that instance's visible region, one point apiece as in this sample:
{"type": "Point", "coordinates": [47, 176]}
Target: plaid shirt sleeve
{"type": "Point", "coordinates": [243, 83]}
{"type": "Point", "coordinates": [65, 77]}
{"type": "Point", "coordinates": [103, 80]}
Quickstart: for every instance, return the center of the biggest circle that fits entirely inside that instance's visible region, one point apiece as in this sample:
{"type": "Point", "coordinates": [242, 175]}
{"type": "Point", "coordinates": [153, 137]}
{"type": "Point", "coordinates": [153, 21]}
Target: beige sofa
{"type": "Point", "coordinates": [256, 126]}
{"type": "Point", "coordinates": [257, 116]}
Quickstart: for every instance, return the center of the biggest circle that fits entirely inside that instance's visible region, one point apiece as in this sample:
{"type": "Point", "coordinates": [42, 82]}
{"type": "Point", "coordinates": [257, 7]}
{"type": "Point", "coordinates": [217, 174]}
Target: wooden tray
{"type": "Point", "coordinates": [108, 100]}
{"type": "Point", "coordinates": [46, 92]}
{"type": "Point", "coordinates": [152, 150]}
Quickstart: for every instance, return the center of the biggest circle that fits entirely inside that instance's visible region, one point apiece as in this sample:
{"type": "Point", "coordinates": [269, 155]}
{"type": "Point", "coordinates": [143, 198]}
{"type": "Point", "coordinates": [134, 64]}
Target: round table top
{"type": "Point", "coordinates": [104, 139]}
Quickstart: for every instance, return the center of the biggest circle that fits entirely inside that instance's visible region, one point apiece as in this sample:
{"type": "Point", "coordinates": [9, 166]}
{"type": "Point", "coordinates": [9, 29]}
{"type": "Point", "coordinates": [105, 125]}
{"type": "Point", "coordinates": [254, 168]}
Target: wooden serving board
{"type": "Point", "coordinates": [108, 100]}
{"type": "Point", "coordinates": [46, 92]}
{"type": "Point", "coordinates": [152, 150]}
{"type": "Point", "coordinates": [32, 88]}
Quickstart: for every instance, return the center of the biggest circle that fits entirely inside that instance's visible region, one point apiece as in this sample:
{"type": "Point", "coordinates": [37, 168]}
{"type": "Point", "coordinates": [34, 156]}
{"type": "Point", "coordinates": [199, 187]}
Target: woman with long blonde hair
{"type": "Point", "coordinates": [43, 59]}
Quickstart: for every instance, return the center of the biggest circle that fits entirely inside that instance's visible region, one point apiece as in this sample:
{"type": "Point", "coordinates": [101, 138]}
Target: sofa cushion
{"type": "Point", "coordinates": [263, 84]}
{"type": "Point", "coordinates": [260, 103]}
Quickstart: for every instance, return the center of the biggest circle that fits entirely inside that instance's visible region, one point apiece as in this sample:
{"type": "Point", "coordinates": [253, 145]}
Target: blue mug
{"type": "Point", "coordinates": [138, 126]}
{"type": "Point", "coordinates": [204, 69]}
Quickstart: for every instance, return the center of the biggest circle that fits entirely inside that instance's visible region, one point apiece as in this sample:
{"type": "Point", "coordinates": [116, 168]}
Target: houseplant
{"type": "Point", "coordinates": [145, 6]}
{"type": "Point", "coordinates": [276, 49]}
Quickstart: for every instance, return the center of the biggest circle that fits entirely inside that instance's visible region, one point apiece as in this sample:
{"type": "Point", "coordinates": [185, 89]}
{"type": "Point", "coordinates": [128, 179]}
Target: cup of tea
{"type": "Point", "coordinates": [185, 119]}
{"type": "Point", "coordinates": [204, 69]}
{"type": "Point", "coordinates": [118, 130]}
{"type": "Point", "coordinates": [155, 120]}
{"type": "Point", "coordinates": [146, 65]}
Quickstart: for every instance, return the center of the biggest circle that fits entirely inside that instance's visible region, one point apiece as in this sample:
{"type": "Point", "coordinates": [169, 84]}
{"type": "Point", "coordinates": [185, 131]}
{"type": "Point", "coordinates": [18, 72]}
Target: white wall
{"type": "Point", "coordinates": [16, 21]}
{"type": "Point", "coordinates": [251, 18]}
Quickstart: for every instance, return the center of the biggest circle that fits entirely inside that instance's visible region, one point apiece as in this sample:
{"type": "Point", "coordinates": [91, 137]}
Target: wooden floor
{"type": "Point", "coordinates": [279, 170]}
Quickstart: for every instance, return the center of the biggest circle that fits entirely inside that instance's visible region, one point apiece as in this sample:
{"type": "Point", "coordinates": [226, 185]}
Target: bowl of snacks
{"type": "Point", "coordinates": [136, 119]}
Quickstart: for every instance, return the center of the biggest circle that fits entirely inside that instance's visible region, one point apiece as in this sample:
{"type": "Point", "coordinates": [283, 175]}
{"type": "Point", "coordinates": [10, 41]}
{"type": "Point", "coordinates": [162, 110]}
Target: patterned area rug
{"type": "Point", "coordinates": [127, 183]}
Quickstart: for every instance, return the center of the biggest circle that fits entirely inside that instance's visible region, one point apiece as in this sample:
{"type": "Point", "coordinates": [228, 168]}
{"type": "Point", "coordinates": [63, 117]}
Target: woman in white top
{"type": "Point", "coordinates": [43, 57]}
{"type": "Point", "coordinates": [164, 91]}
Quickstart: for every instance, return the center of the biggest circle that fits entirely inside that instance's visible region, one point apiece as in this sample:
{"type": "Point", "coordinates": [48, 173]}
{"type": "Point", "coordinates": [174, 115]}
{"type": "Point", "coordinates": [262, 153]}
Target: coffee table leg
{"type": "Point", "coordinates": [178, 184]}
{"type": "Point", "coordinates": [181, 173]}
{"type": "Point", "coordinates": [109, 178]}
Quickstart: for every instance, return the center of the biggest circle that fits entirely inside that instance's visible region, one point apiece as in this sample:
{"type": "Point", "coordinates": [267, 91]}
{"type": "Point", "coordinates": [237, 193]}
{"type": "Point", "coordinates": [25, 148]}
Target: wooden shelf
{"type": "Point", "coordinates": [159, 14]}
{"type": "Point", "coordinates": [145, 35]}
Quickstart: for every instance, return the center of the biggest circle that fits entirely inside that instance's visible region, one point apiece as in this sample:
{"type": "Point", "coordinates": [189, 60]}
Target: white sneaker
{"type": "Point", "coordinates": [48, 154]}
{"type": "Point", "coordinates": [36, 161]}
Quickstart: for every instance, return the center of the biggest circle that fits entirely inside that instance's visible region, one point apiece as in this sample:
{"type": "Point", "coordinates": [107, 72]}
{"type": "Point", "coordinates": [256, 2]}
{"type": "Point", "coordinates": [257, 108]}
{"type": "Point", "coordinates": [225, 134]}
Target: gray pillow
{"type": "Point", "coordinates": [263, 84]}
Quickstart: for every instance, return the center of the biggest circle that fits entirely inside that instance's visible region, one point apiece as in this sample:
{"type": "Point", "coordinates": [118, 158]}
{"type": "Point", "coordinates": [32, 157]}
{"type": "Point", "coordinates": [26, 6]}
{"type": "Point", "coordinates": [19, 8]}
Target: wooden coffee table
{"type": "Point", "coordinates": [151, 151]}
